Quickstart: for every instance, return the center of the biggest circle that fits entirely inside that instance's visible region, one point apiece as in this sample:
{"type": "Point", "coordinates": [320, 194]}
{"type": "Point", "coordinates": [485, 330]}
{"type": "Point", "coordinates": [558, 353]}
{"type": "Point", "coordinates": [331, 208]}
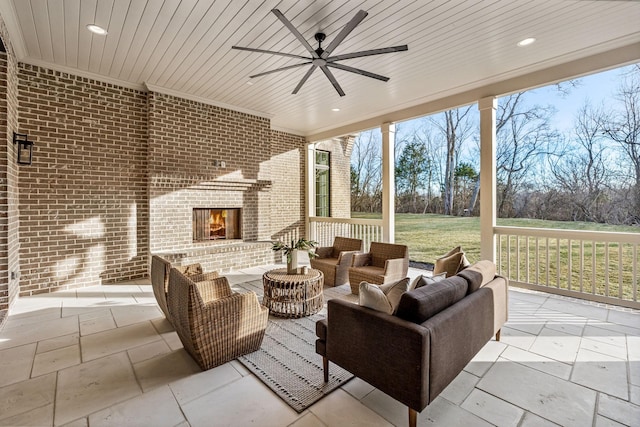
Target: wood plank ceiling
{"type": "Point", "coordinates": [184, 47]}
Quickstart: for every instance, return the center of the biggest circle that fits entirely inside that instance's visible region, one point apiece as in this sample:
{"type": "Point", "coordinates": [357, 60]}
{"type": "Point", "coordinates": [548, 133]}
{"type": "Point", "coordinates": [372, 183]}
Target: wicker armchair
{"type": "Point", "coordinates": [215, 324]}
{"type": "Point", "coordinates": [334, 261]}
{"type": "Point", "coordinates": [384, 263]}
{"type": "Point", "coordinates": [160, 268]}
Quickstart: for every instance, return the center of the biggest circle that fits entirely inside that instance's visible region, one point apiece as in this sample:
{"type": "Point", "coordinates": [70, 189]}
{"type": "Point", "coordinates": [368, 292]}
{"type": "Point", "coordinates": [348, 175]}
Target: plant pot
{"type": "Point", "coordinates": [292, 262]}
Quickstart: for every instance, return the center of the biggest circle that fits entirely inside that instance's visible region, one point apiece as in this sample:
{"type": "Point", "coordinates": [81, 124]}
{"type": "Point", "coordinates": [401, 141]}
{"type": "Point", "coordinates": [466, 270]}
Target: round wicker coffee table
{"type": "Point", "coordinates": [293, 295]}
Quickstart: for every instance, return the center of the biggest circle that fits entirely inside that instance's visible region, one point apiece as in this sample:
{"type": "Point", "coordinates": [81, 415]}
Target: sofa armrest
{"type": "Point", "coordinates": [389, 353]}
{"type": "Point", "coordinates": [346, 257]}
{"type": "Point", "coordinates": [324, 252]}
{"type": "Point", "coordinates": [360, 260]}
{"type": "Point", "coordinates": [394, 267]}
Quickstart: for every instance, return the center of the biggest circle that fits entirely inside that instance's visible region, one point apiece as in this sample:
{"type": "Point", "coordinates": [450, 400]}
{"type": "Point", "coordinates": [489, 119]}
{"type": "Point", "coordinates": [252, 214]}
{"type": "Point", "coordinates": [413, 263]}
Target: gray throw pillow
{"type": "Point", "coordinates": [423, 280]}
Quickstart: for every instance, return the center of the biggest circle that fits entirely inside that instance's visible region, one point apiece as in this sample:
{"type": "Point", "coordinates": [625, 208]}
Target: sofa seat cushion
{"type": "Point", "coordinates": [420, 304]}
{"type": "Point", "coordinates": [479, 274]}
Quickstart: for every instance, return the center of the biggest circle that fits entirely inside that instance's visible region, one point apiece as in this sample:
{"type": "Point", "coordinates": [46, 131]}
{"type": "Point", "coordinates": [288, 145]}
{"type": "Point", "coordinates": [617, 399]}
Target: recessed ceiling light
{"type": "Point", "coordinates": [526, 42]}
{"type": "Point", "coordinates": [250, 83]}
{"type": "Point", "coordinates": [335, 109]}
{"type": "Point", "coordinates": [96, 29]}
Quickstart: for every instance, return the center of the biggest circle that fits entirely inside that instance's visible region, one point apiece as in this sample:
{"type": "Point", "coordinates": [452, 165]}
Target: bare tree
{"type": "Point", "coordinates": [524, 134]}
{"type": "Point", "coordinates": [366, 172]}
{"type": "Point", "coordinates": [584, 169]}
{"type": "Point", "coordinates": [623, 126]}
{"type": "Point", "coordinates": [456, 126]}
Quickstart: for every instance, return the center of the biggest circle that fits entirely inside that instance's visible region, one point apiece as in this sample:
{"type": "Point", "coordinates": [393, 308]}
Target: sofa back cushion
{"type": "Point", "coordinates": [478, 274]}
{"type": "Point", "coordinates": [420, 304]}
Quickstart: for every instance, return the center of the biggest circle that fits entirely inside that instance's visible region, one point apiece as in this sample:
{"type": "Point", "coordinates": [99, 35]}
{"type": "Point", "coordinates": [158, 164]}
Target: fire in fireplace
{"type": "Point", "coordinates": [216, 223]}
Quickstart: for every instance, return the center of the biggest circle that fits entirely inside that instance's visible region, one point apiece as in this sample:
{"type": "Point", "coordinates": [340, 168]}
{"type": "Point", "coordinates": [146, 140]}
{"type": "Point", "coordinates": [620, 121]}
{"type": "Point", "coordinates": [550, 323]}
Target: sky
{"type": "Point", "coordinates": [596, 88]}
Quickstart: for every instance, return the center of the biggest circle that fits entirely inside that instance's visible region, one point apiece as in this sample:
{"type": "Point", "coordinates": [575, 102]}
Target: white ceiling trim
{"type": "Point", "coordinates": [177, 94]}
{"type": "Point", "coordinates": [10, 18]}
{"type": "Point", "coordinates": [82, 73]}
{"type": "Point", "coordinates": [287, 130]}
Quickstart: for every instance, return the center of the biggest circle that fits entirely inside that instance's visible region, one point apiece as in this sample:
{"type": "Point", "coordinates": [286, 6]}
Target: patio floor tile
{"type": "Point", "coordinates": [26, 396]}
{"type": "Point", "coordinates": [340, 409]}
{"type": "Point", "coordinates": [492, 409]}
{"type": "Point", "coordinates": [242, 403]}
{"type": "Point", "coordinates": [91, 386]}
{"type": "Point", "coordinates": [546, 395]}
{"type": "Point", "coordinates": [117, 340]}
{"type": "Point", "coordinates": [155, 408]}
{"type": "Point", "coordinates": [556, 345]}
{"type": "Point", "coordinates": [618, 410]}
{"type": "Point", "coordinates": [16, 363]}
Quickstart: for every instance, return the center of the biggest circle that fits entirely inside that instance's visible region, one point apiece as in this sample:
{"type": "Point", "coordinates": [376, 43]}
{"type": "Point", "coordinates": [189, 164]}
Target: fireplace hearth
{"type": "Point", "coordinates": [216, 224]}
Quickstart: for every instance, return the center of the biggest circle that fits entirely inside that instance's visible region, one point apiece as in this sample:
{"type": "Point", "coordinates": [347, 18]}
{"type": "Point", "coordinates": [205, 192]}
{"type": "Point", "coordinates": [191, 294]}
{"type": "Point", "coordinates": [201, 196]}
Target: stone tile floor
{"type": "Point", "coordinates": [105, 356]}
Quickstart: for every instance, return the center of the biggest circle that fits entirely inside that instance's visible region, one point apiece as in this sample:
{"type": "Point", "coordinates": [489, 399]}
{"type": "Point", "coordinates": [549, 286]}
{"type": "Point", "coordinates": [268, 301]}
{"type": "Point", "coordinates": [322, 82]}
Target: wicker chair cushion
{"type": "Point", "coordinates": [189, 270]}
{"type": "Point", "coordinates": [329, 262]}
{"type": "Point", "coordinates": [383, 298]}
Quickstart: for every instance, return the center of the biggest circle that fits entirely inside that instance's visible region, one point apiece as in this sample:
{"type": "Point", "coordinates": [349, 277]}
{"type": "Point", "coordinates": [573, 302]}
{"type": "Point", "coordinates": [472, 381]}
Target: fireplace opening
{"type": "Point", "coordinates": [216, 224]}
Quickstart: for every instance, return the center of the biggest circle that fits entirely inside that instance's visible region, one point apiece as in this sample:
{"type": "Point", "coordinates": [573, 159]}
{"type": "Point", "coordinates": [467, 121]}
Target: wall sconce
{"type": "Point", "coordinates": [25, 148]}
{"type": "Point", "coordinates": [218, 163]}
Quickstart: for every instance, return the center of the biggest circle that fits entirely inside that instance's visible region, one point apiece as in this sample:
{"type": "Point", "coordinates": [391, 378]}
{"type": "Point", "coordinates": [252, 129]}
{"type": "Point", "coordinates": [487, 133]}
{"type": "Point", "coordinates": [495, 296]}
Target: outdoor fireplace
{"type": "Point", "coordinates": [216, 224]}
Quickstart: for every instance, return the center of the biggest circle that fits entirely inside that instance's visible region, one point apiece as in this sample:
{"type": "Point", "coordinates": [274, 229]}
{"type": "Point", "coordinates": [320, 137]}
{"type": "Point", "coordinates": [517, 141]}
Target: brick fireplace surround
{"type": "Point", "coordinates": [117, 172]}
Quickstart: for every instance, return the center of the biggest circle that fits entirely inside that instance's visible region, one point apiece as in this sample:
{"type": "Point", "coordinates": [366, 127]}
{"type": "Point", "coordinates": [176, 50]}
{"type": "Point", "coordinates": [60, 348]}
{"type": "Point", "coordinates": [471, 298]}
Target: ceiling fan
{"type": "Point", "coordinates": [321, 58]}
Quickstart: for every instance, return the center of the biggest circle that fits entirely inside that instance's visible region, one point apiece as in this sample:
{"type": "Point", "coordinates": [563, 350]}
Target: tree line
{"type": "Point", "coordinates": [588, 173]}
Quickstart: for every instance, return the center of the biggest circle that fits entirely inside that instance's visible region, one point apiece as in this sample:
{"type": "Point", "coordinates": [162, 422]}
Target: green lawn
{"type": "Point", "coordinates": [429, 236]}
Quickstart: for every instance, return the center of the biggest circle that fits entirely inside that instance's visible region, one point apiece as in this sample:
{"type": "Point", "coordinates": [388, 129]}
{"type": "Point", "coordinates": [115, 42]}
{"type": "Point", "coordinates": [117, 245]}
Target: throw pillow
{"type": "Point", "coordinates": [384, 298]}
{"type": "Point", "coordinates": [419, 305]}
{"type": "Point", "coordinates": [422, 280]}
{"type": "Point", "coordinates": [479, 274]}
{"type": "Point", "coordinates": [451, 264]}
{"type": "Point", "coordinates": [189, 270]}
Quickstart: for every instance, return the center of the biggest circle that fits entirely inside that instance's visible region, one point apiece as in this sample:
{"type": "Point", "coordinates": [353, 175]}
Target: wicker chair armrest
{"type": "Point", "coordinates": [204, 276]}
{"type": "Point", "coordinates": [324, 252]}
{"type": "Point", "coordinates": [360, 260]}
{"type": "Point", "coordinates": [214, 289]}
{"type": "Point", "coordinates": [394, 267]}
{"type": "Point", "coordinates": [345, 257]}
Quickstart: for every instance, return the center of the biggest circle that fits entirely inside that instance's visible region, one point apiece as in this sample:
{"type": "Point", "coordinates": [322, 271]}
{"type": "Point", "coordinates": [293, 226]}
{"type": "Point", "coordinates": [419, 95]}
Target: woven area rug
{"type": "Point", "coordinates": [287, 361]}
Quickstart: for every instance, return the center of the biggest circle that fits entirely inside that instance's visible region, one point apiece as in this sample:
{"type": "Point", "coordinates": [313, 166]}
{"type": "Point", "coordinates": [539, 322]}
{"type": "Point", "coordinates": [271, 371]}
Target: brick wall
{"type": "Point", "coordinates": [9, 243]}
{"type": "Point", "coordinates": [116, 174]}
{"type": "Point", "coordinates": [262, 174]}
{"type": "Point", "coordinates": [83, 202]}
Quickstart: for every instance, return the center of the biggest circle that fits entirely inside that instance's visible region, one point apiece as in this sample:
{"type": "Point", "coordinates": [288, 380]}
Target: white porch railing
{"type": "Point", "coordinates": [594, 265]}
{"type": "Point", "coordinates": [324, 229]}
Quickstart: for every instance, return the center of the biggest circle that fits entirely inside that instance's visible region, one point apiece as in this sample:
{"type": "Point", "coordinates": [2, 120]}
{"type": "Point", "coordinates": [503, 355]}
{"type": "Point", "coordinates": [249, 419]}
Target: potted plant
{"type": "Point", "coordinates": [291, 251]}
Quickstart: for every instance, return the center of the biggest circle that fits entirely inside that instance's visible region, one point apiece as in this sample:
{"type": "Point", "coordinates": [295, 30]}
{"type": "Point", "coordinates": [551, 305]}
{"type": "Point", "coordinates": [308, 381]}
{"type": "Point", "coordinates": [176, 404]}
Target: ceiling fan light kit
{"type": "Point", "coordinates": [321, 58]}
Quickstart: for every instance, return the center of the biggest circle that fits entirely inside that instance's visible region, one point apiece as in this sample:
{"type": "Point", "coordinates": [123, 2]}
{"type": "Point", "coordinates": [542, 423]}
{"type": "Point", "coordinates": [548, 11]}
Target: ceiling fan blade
{"type": "Point", "coordinates": [288, 67]}
{"type": "Point", "coordinates": [368, 53]}
{"type": "Point", "coordinates": [351, 25]}
{"type": "Point", "coordinates": [304, 79]}
{"type": "Point", "coordinates": [357, 71]}
{"type": "Point", "coordinates": [250, 49]}
{"type": "Point", "coordinates": [332, 79]}
{"type": "Point", "coordinates": [295, 32]}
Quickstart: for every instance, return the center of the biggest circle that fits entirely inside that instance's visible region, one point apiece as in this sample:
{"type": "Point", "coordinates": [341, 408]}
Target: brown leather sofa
{"type": "Point", "coordinates": [334, 261]}
{"type": "Point", "coordinates": [413, 355]}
